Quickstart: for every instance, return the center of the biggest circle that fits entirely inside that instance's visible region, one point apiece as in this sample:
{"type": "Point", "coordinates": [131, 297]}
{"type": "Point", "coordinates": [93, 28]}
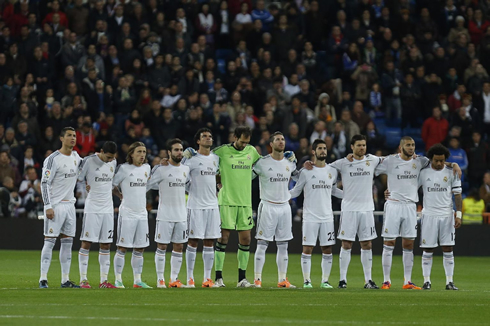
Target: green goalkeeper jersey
{"type": "Point", "coordinates": [236, 174]}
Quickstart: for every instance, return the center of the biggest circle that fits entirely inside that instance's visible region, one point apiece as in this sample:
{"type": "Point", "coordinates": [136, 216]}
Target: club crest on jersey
{"type": "Point", "coordinates": [50, 230]}
{"type": "Point", "coordinates": [414, 166]}
{"type": "Point", "coordinates": [86, 234]}
{"type": "Point", "coordinates": [112, 169]}
{"type": "Point", "coordinates": [185, 176]}
{"type": "Point", "coordinates": [367, 163]}
{"type": "Point", "coordinates": [248, 157]}
{"type": "Point", "coordinates": [423, 241]}
{"type": "Point", "coordinates": [214, 163]}
{"type": "Point", "coordinates": [445, 179]}
{"type": "Point", "coordinates": [75, 162]}
{"type": "Point", "coordinates": [192, 231]}
{"type": "Point", "coordinates": [386, 230]}
{"type": "Point", "coordinates": [47, 174]}
{"type": "Point", "coordinates": [146, 175]}
{"type": "Point", "coordinates": [287, 168]}
{"type": "Point", "coordinates": [260, 232]}
{"type": "Point", "coordinates": [304, 238]}
{"type": "Point", "coordinates": [342, 233]}
{"type": "Point", "coordinates": [122, 239]}
{"type": "Point", "coordinates": [159, 236]}
{"type": "Point", "coordinates": [329, 176]}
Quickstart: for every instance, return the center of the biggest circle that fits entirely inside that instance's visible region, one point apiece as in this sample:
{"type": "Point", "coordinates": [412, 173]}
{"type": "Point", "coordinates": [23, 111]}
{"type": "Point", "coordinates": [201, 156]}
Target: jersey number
{"type": "Point", "coordinates": [331, 236]}
{"type": "Point", "coordinates": [111, 234]}
{"type": "Point", "coordinates": [250, 219]}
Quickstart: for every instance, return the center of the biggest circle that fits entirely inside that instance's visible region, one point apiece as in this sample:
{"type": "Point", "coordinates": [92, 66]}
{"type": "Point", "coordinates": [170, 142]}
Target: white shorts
{"type": "Point", "coordinates": [132, 232]}
{"type": "Point", "coordinates": [63, 222]}
{"type": "Point", "coordinates": [324, 231]}
{"type": "Point", "coordinates": [437, 228]}
{"type": "Point", "coordinates": [170, 232]}
{"type": "Point", "coordinates": [400, 219]}
{"type": "Point", "coordinates": [204, 223]}
{"type": "Point", "coordinates": [98, 228]}
{"type": "Point", "coordinates": [274, 222]}
{"type": "Point", "coordinates": [360, 223]}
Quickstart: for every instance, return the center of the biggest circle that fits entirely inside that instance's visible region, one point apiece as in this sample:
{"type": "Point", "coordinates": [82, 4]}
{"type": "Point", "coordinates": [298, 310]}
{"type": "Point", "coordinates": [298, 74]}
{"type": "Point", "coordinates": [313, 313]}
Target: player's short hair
{"type": "Point", "coordinates": [172, 142]}
{"type": "Point", "coordinates": [197, 136]}
{"type": "Point", "coordinates": [109, 147]}
{"type": "Point", "coordinates": [357, 138]}
{"type": "Point", "coordinates": [64, 130]}
{"type": "Point", "coordinates": [131, 150]}
{"type": "Point", "coordinates": [277, 133]}
{"type": "Point", "coordinates": [438, 149]}
{"type": "Point", "coordinates": [316, 143]}
{"type": "Point", "coordinates": [405, 139]}
{"type": "Point", "coordinates": [242, 130]}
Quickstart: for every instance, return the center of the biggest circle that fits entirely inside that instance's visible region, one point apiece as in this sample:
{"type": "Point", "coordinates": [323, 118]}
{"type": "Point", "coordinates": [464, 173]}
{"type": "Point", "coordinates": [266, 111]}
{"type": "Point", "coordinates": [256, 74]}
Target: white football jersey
{"type": "Point", "coordinates": [319, 184]}
{"type": "Point", "coordinates": [357, 182]}
{"type": "Point", "coordinates": [170, 181]}
{"type": "Point", "coordinates": [402, 176]}
{"type": "Point", "coordinates": [98, 176]}
{"type": "Point", "coordinates": [202, 186]}
{"type": "Point", "coordinates": [132, 180]}
{"type": "Point", "coordinates": [439, 187]}
{"type": "Point", "coordinates": [274, 178]}
{"type": "Point", "coordinates": [59, 177]}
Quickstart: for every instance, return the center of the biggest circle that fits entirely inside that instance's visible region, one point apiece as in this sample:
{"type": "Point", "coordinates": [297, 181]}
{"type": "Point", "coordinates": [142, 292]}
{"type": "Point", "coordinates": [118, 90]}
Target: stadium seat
{"type": "Point", "coordinates": [223, 54]}
{"type": "Point", "coordinates": [393, 136]}
{"type": "Point", "coordinates": [380, 124]}
{"type": "Point", "coordinates": [221, 66]}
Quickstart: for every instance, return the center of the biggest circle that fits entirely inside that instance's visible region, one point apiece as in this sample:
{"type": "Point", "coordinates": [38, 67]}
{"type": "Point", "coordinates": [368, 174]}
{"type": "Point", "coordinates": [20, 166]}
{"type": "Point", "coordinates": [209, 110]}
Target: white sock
{"type": "Point", "coordinates": [190, 261]}
{"type": "Point", "coordinates": [160, 263]}
{"type": "Point", "coordinates": [65, 258]}
{"type": "Point", "coordinates": [386, 260]}
{"type": "Point", "coordinates": [306, 267]}
{"type": "Point", "coordinates": [104, 263]}
{"type": "Point", "coordinates": [344, 261]}
{"type": "Point", "coordinates": [46, 255]}
{"type": "Point", "coordinates": [83, 263]}
{"type": "Point", "coordinates": [407, 265]}
{"type": "Point", "coordinates": [367, 263]}
{"type": "Point", "coordinates": [175, 265]}
{"type": "Point", "coordinates": [260, 258]}
{"type": "Point", "coordinates": [137, 265]}
{"type": "Point", "coordinates": [208, 261]}
{"type": "Point", "coordinates": [119, 264]}
{"type": "Point", "coordinates": [448, 260]}
{"type": "Point", "coordinates": [327, 260]}
{"type": "Point", "coordinates": [282, 260]}
{"type": "Point", "coordinates": [426, 265]}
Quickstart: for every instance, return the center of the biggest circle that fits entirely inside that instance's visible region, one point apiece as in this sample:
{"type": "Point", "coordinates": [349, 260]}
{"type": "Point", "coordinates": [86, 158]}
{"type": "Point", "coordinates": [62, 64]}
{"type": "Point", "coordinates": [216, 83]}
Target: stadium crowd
{"type": "Point", "coordinates": [154, 70]}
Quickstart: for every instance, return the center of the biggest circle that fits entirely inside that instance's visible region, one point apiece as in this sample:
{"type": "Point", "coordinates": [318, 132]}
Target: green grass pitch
{"type": "Point", "coordinates": [22, 303]}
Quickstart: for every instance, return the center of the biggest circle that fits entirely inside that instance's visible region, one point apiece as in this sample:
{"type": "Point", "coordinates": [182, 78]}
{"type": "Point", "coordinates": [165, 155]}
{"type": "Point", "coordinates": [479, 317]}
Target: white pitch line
{"type": "Point", "coordinates": [238, 304]}
{"type": "Point", "coordinates": [247, 321]}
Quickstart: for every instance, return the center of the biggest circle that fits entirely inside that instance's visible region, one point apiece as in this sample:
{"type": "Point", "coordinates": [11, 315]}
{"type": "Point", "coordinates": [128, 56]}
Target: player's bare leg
{"type": "Point", "coordinates": [243, 255]}
{"type": "Point", "coordinates": [448, 260]}
{"type": "Point", "coordinates": [175, 265]}
{"type": "Point", "coordinates": [219, 256]}
{"type": "Point", "coordinates": [367, 264]}
{"type": "Point", "coordinates": [306, 266]}
{"type": "Point", "coordinates": [327, 259]}
{"type": "Point", "coordinates": [160, 264]}
{"type": "Point", "coordinates": [387, 259]}
{"type": "Point", "coordinates": [344, 261]}
{"type": "Point", "coordinates": [83, 257]}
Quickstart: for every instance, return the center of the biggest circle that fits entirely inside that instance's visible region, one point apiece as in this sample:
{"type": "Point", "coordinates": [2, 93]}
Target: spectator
{"type": "Point", "coordinates": [375, 140]}
{"type": "Point", "coordinates": [458, 29]}
{"type": "Point", "coordinates": [339, 140]}
{"type": "Point", "coordinates": [350, 128]}
{"type": "Point", "coordinates": [260, 13]}
{"type": "Point", "coordinates": [6, 169]}
{"type": "Point", "coordinates": [24, 135]}
{"type": "Point", "coordinates": [473, 208]}
{"type": "Point", "coordinates": [359, 116]}
{"type": "Point", "coordinates": [72, 51]}
{"type": "Point", "coordinates": [454, 100]}
{"type": "Point", "coordinates": [485, 190]}
{"type": "Point", "coordinates": [292, 137]}
{"type": "Point", "coordinates": [391, 83]}
{"type": "Point", "coordinates": [85, 140]}
{"type": "Point", "coordinates": [30, 192]}
{"type": "Point", "coordinates": [434, 129]}
{"type": "Point", "coordinates": [135, 122]}
{"type": "Point", "coordinates": [458, 155]}
{"type": "Point", "coordinates": [477, 27]}
{"type": "Point", "coordinates": [478, 159]}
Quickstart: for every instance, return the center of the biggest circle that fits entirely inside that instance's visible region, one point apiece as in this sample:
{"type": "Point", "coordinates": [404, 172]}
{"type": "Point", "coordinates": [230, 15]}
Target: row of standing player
{"type": "Point", "coordinates": [203, 217]}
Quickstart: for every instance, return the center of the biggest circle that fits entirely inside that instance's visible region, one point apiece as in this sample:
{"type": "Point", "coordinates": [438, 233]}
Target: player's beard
{"type": "Point", "coordinates": [406, 153]}
{"type": "Point", "coordinates": [321, 158]}
{"type": "Point", "coordinates": [176, 159]}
